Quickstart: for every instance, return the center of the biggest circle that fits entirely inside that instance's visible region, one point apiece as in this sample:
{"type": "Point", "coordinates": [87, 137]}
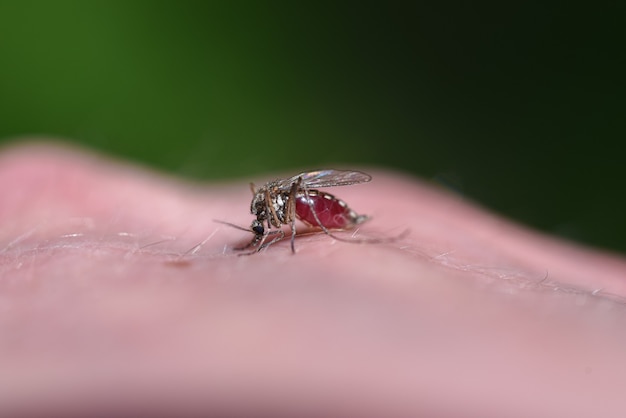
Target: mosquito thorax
{"type": "Point", "coordinates": [257, 206]}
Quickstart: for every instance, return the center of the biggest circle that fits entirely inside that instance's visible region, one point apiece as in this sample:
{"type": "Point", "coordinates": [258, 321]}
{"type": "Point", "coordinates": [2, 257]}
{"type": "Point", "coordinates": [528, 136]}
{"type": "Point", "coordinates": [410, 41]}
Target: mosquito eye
{"type": "Point", "coordinates": [257, 227]}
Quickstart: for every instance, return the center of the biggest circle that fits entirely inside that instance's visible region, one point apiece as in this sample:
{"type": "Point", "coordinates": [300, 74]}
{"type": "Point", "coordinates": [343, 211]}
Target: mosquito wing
{"type": "Point", "coordinates": [329, 178]}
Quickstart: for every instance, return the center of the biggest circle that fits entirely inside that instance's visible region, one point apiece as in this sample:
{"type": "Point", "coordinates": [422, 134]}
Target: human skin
{"type": "Point", "coordinates": [107, 306]}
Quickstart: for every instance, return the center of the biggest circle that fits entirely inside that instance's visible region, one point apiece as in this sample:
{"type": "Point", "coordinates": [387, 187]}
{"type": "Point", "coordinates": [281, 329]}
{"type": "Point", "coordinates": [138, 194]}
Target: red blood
{"type": "Point", "coordinates": [331, 212]}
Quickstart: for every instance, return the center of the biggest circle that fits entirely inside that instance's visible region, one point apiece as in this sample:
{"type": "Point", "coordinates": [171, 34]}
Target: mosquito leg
{"type": "Point", "coordinates": [291, 212]}
{"type": "Point", "coordinates": [317, 219]}
{"type": "Point", "coordinates": [252, 243]}
{"type": "Point", "coordinates": [271, 211]}
{"type": "Point", "coordinates": [281, 235]}
{"type": "Point", "coordinates": [262, 245]}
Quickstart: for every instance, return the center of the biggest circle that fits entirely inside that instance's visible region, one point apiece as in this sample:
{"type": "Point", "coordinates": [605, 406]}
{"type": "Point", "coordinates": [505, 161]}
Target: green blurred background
{"type": "Point", "coordinates": [518, 106]}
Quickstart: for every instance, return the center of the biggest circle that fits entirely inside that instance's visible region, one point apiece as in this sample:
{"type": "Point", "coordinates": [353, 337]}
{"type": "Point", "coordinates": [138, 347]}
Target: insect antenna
{"type": "Point", "coordinates": [241, 228]}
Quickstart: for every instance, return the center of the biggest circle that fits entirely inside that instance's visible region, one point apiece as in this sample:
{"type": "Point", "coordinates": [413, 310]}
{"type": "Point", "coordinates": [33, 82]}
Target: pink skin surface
{"type": "Point", "coordinates": [107, 306]}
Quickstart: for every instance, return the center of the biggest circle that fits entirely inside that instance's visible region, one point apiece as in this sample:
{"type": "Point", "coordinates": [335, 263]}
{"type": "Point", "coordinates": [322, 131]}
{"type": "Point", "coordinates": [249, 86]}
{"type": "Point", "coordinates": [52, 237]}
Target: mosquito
{"type": "Point", "coordinates": [281, 202]}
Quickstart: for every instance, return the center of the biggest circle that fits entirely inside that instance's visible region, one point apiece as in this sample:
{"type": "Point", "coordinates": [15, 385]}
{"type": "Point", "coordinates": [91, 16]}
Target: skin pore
{"type": "Point", "coordinates": [108, 306]}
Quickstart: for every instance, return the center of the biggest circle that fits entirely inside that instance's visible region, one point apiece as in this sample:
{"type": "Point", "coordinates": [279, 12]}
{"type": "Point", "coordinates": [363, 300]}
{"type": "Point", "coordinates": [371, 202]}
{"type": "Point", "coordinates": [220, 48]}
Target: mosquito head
{"type": "Point", "coordinates": [257, 227]}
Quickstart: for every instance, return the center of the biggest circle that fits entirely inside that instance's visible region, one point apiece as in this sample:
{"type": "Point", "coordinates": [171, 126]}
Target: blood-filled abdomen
{"type": "Point", "coordinates": [331, 212]}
